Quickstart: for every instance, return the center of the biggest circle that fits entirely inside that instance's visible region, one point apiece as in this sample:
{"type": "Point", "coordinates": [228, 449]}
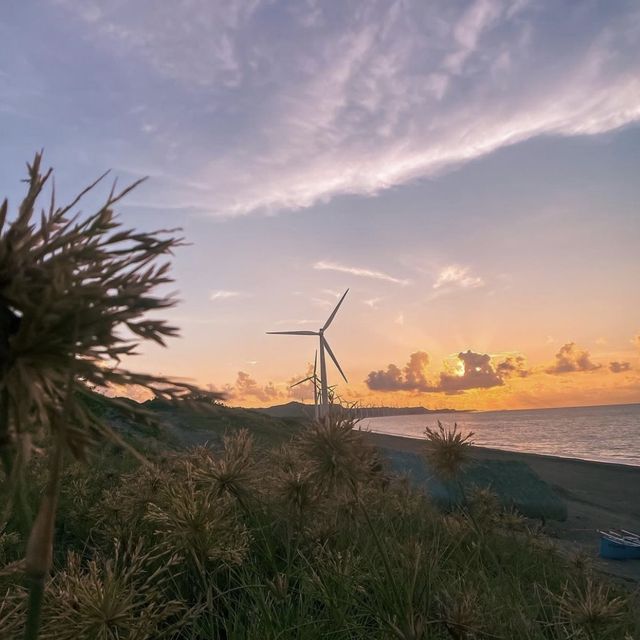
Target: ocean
{"type": "Point", "coordinates": [604, 433]}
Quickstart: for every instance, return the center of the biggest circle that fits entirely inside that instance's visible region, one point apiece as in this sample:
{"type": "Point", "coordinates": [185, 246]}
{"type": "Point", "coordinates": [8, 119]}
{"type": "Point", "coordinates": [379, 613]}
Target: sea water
{"type": "Point", "coordinates": [604, 433]}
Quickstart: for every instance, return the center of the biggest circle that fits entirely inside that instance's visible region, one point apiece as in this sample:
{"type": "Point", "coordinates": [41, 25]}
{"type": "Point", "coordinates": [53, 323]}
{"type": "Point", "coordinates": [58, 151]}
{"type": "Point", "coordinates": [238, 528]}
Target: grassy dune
{"type": "Point", "coordinates": [304, 535]}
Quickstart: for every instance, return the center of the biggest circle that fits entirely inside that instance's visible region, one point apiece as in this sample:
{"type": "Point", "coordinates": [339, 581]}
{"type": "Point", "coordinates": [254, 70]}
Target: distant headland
{"type": "Point", "coordinates": [296, 409]}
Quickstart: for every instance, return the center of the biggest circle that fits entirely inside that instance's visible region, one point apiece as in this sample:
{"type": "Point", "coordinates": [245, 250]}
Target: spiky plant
{"type": "Point", "coordinates": [122, 507]}
{"type": "Point", "coordinates": [590, 609]}
{"type": "Point", "coordinates": [126, 596]}
{"type": "Point", "coordinates": [483, 506]}
{"type": "Point", "coordinates": [198, 526]}
{"type": "Point", "coordinates": [75, 293]}
{"type": "Point", "coordinates": [336, 454]}
{"type": "Point", "coordinates": [234, 472]}
{"type": "Point", "coordinates": [11, 612]}
{"type": "Point", "coordinates": [461, 612]}
{"type": "Point", "coordinates": [295, 490]}
{"type": "Point", "coordinates": [447, 450]}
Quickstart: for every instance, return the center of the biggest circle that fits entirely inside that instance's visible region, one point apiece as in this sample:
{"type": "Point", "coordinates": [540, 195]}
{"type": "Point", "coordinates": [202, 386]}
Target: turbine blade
{"type": "Point", "coordinates": [293, 333]}
{"type": "Point", "coordinates": [333, 315]}
{"type": "Point", "coordinates": [300, 382]}
{"type": "Point", "coordinates": [335, 361]}
{"type": "Point", "coordinates": [315, 364]}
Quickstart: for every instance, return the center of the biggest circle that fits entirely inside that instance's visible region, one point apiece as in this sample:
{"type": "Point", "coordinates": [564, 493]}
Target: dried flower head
{"type": "Point", "coordinates": [484, 505]}
{"type": "Point", "coordinates": [461, 611]}
{"type": "Point", "coordinates": [295, 490]}
{"type": "Point", "coordinates": [234, 472]}
{"type": "Point", "coordinates": [126, 596]}
{"type": "Point", "coordinates": [75, 294]}
{"type": "Point", "coordinates": [447, 450]}
{"type": "Point", "coordinates": [590, 607]}
{"type": "Point", "coordinates": [335, 452]}
{"type": "Point", "coordinates": [197, 525]}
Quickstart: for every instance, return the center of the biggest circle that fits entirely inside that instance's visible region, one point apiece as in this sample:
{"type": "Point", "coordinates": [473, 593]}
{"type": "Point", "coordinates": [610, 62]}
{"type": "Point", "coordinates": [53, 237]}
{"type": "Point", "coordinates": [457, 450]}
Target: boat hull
{"type": "Point", "coordinates": [613, 550]}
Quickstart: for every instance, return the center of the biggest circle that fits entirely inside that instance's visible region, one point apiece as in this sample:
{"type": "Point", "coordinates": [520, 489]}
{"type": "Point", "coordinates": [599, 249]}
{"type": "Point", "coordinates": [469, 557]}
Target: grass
{"type": "Point", "coordinates": [312, 538]}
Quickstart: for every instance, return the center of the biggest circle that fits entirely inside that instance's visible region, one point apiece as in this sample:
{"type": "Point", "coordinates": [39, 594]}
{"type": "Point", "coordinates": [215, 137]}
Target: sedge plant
{"type": "Point", "coordinates": [75, 297]}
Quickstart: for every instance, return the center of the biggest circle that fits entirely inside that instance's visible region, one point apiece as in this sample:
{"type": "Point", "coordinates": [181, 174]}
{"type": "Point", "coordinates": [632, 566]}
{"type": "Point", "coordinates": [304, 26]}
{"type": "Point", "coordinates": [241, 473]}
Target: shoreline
{"type": "Point", "coordinates": [516, 451]}
{"type": "Point", "coordinates": [598, 495]}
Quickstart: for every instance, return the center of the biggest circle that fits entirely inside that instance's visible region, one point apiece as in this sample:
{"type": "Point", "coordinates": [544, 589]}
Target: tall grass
{"type": "Point", "coordinates": [311, 540]}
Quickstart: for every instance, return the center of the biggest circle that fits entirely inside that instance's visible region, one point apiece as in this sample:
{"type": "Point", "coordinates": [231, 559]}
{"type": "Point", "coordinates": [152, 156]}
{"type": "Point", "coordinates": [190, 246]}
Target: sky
{"type": "Point", "coordinates": [467, 169]}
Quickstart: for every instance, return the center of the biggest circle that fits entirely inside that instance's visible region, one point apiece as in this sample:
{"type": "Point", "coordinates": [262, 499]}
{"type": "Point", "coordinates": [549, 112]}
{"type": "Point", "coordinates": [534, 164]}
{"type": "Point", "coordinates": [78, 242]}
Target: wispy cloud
{"type": "Point", "coordinates": [372, 302]}
{"type": "Point", "coordinates": [299, 322]}
{"type": "Point", "coordinates": [358, 271]}
{"type": "Point", "coordinates": [456, 276]}
{"type": "Point", "coordinates": [223, 294]}
{"type": "Point", "coordinates": [358, 100]}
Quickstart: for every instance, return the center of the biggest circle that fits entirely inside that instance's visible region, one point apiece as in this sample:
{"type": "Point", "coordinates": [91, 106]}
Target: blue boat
{"type": "Point", "coordinates": [619, 545]}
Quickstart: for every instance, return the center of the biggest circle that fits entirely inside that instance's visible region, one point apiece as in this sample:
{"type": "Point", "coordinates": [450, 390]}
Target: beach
{"type": "Point", "coordinates": [598, 496]}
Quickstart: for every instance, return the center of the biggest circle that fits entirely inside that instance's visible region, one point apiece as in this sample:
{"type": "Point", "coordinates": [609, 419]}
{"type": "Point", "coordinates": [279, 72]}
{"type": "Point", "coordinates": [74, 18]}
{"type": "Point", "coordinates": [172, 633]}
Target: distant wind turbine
{"type": "Point", "coordinates": [316, 385]}
{"type": "Point", "coordinates": [324, 386]}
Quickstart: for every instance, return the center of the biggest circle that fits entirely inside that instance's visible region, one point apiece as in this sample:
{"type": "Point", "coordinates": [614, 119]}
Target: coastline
{"type": "Point", "coordinates": [598, 495]}
{"type": "Point", "coordinates": [516, 451]}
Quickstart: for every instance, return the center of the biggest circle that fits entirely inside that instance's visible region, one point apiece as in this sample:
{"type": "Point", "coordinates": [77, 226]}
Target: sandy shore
{"type": "Point", "coordinates": [598, 496]}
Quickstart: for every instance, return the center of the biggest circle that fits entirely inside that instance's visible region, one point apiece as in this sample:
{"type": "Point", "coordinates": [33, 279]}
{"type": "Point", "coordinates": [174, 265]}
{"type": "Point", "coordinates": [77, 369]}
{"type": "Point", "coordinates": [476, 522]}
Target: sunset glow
{"type": "Point", "coordinates": [467, 170]}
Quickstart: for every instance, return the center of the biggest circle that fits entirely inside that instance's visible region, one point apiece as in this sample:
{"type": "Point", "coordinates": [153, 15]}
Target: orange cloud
{"type": "Point", "coordinates": [570, 359]}
{"type": "Point", "coordinates": [619, 367]}
{"type": "Point", "coordinates": [246, 389]}
{"type": "Point", "coordinates": [477, 373]}
{"type": "Point", "coordinates": [411, 378]}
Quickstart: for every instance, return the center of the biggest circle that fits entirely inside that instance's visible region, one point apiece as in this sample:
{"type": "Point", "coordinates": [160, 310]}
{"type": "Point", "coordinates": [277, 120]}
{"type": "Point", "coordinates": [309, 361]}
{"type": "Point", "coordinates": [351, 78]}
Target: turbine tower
{"type": "Point", "coordinates": [324, 345]}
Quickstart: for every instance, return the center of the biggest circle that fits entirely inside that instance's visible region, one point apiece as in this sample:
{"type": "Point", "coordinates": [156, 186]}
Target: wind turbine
{"type": "Point", "coordinates": [316, 385]}
{"type": "Point", "coordinates": [324, 387]}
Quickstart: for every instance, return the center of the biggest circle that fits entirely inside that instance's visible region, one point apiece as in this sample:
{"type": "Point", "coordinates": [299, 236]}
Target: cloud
{"type": "Point", "coordinates": [477, 373]}
{"type": "Point", "coordinates": [360, 97]}
{"type": "Point", "coordinates": [455, 276]}
{"type": "Point", "coordinates": [372, 302]}
{"type": "Point", "coordinates": [246, 388]}
{"type": "Point", "coordinates": [299, 322]}
{"type": "Point", "coordinates": [414, 371]}
{"type": "Point", "coordinates": [223, 294]}
{"type": "Point", "coordinates": [357, 271]}
{"type": "Point", "coordinates": [619, 367]}
{"type": "Point", "coordinates": [512, 366]}
{"type": "Point", "coordinates": [390, 379]}
{"type": "Point", "coordinates": [411, 378]}
{"type": "Point", "coordinates": [570, 358]}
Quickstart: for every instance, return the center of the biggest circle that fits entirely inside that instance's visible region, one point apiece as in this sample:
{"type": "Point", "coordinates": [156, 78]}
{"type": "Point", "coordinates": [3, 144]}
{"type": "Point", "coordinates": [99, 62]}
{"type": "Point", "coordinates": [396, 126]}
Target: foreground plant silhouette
{"type": "Point", "coordinates": [75, 293]}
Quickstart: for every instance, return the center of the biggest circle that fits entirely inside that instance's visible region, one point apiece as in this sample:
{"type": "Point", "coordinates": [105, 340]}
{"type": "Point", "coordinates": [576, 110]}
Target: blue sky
{"type": "Point", "coordinates": [469, 169]}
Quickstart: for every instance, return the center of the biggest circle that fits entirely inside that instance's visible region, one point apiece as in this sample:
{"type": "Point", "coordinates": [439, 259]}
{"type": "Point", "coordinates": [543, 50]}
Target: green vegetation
{"type": "Point", "coordinates": [310, 539]}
